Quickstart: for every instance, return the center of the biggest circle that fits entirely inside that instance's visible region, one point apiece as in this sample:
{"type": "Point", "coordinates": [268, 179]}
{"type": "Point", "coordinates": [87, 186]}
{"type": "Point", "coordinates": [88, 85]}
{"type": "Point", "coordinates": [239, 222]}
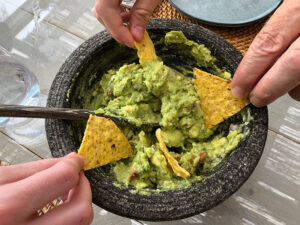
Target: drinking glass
{"type": "Point", "coordinates": [18, 86]}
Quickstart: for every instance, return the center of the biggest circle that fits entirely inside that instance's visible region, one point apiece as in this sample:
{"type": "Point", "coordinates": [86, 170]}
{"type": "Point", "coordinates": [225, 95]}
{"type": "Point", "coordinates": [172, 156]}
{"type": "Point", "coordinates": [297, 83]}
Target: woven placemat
{"type": "Point", "coordinates": [47, 207]}
{"type": "Point", "coordinates": [240, 37]}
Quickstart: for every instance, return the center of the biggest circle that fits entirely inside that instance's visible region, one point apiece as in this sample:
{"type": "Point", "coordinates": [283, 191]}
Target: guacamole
{"type": "Point", "coordinates": [154, 92]}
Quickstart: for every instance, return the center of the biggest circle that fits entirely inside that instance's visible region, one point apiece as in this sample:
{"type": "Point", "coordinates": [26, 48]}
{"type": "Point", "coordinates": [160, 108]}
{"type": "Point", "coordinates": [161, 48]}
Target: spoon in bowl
{"type": "Point", "coordinates": [64, 113]}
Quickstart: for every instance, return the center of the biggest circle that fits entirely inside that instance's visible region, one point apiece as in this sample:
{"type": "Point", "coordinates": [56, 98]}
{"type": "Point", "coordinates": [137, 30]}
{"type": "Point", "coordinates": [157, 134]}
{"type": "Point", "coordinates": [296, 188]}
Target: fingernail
{"type": "Point", "coordinates": [239, 92]}
{"type": "Point", "coordinates": [70, 154]}
{"type": "Point", "coordinates": [79, 157]}
{"type": "Point", "coordinates": [139, 33]}
{"type": "Point", "coordinates": [255, 101]}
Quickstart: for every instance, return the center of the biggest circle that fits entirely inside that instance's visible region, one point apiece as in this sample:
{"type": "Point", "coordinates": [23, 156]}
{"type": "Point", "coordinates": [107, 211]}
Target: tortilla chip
{"type": "Point", "coordinates": [145, 49]}
{"type": "Point", "coordinates": [216, 99]}
{"type": "Point", "coordinates": [103, 142]}
{"type": "Point", "coordinates": [178, 170]}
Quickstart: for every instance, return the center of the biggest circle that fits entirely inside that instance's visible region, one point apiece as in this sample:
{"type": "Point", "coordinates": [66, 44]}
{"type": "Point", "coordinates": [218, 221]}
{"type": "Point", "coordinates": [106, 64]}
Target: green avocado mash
{"type": "Point", "coordinates": [153, 92]}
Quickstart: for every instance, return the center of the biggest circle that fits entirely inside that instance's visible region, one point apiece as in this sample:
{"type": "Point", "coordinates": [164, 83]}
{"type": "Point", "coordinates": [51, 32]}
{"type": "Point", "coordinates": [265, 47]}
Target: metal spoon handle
{"type": "Point", "coordinates": [44, 112]}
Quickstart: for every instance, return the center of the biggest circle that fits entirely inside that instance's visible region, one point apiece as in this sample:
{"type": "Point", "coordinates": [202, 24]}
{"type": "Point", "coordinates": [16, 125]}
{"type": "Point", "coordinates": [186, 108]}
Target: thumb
{"type": "Point", "coordinates": [140, 15]}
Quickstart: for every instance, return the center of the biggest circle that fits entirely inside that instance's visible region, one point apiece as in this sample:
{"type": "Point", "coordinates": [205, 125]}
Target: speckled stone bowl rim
{"type": "Point", "coordinates": [171, 205]}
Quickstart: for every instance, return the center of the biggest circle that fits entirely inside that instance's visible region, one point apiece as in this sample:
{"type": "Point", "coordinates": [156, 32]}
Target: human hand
{"type": "Point", "coordinates": [26, 188]}
{"type": "Point", "coordinates": [112, 16]}
{"type": "Point", "coordinates": [271, 66]}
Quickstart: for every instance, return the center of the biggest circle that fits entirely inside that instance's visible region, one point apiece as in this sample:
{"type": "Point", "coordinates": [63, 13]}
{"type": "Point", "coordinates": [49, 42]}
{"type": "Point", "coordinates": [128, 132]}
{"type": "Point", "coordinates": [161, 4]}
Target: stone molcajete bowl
{"type": "Point", "coordinates": [99, 54]}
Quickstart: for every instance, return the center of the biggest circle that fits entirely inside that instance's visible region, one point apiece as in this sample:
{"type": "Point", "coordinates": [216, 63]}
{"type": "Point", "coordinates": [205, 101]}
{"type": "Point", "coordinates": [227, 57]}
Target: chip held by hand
{"type": "Point", "coordinates": [216, 99]}
{"type": "Point", "coordinates": [103, 143]}
{"type": "Point", "coordinates": [145, 49]}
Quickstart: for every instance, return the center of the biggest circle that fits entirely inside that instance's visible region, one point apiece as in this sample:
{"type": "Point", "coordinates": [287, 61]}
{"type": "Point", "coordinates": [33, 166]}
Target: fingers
{"type": "Point", "coordinates": [44, 186]}
{"type": "Point", "coordinates": [281, 30]}
{"type": "Point", "coordinates": [284, 76]}
{"type": "Point", "coordinates": [14, 173]}
{"type": "Point", "coordinates": [125, 16]}
{"type": "Point", "coordinates": [77, 211]}
{"type": "Point", "coordinates": [109, 14]}
{"type": "Point", "coordinates": [140, 16]}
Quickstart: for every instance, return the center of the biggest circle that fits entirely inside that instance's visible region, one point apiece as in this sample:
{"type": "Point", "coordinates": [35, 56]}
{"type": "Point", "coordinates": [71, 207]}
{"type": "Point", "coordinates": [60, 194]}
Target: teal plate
{"type": "Point", "coordinates": [228, 13]}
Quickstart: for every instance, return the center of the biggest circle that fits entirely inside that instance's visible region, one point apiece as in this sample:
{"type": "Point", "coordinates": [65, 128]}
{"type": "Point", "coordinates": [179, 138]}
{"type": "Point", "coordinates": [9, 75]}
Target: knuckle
{"type": "Point", "coordinates": [268, 43]}
{"type": "Point", "coordinates": [86, 214]}
{"type": "Point", "coordinates": [142, 14]}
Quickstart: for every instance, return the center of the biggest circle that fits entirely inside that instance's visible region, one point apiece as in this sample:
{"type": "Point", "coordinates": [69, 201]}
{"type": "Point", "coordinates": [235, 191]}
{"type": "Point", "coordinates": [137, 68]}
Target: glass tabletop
{"type": "Point", "coordinates": [41, 34]}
